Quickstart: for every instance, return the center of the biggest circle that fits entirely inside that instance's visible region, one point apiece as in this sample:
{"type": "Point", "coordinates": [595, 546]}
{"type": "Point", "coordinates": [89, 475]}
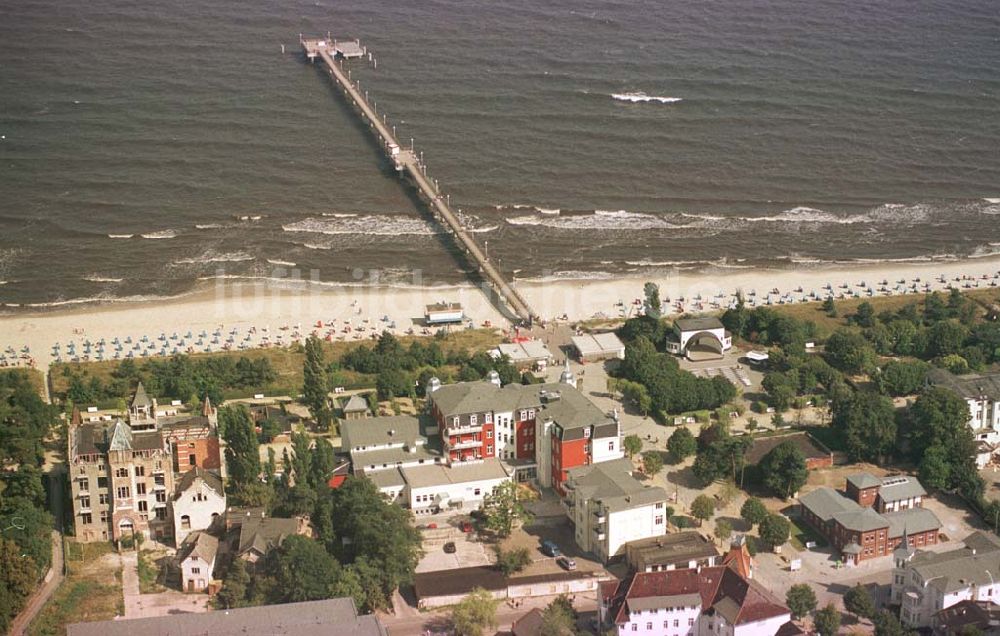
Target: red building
{"type": "Point", "coordinates": [873, 517]}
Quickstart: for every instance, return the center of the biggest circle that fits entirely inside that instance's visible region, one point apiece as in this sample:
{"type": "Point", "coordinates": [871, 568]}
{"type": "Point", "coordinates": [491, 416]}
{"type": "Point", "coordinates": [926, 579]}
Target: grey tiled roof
{"type": "Point", "coordinates": [200, 544]}
{"type": "Point", "coordinates": [702, 323]}
{"type": "Point", "coordinates": [211, 480]}
{"type": "Point", "coordinates": [862, 520]}
{"type": "Point", "coordinates": [863, 480]}
{"type": "Point", "coordinates": [825, 502]}
{"type": "Point", "coordinates": [967, 386]}
{"type": "Point", "coordinates": [436, 475]}
{"type": "Point", "coordinates": [978, 563]}
{"type": "Point", "coordinates": [612, 484]}
{"type": "Point", "coordinates": [912, 520]}
{"type": "Point", "coordinates": [900, 488]}
{"type": "Point", "coordinates": [377, 431]}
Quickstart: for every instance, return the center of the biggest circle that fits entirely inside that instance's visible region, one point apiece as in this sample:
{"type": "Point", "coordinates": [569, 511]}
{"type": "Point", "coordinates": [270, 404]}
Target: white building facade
{"type": "Point", "coordinates": [982, 395]}
{"type": "Point", "coordinates": [199, 503]}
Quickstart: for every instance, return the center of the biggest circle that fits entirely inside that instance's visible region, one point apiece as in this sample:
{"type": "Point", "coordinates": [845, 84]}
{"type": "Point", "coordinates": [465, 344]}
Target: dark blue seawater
{"type": "Point", "coordinates": [147, 146]}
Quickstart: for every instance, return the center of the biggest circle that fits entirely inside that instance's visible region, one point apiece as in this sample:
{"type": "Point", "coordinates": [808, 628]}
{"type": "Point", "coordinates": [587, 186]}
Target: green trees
{"type": "Point", "coordinates": [234, 586]}
{"type": "Point", "coordinates": [783, 469]}
{"type": "Point", "coordinates": [753, 511]}
{"type": "Point", "coordinates": [513, 561]}
{"type": "Point", "coordinates": [781, 389]}
{"type": "Point", "coordinates": [652, 463]}
{"type": "Point", "coordinates": [369, 535]}
{"type": "Point", "coordinates": [801, 599]}
{"type": "Point", "coordinates": [242, 447]}
{"type": "Point", "coordinates": [303, 571]}
{"type": "Point", "coordinates": [559, 618]}
{"type": "Point", "coordinates": [702, 508]}
{"type": "Point", "coordinates": [670, 389]}
{"type": "Point", "coordinates": [17, 581]}
{"type": "Point", "coordinates": [859, 602]}
{"type": "Point", "coordinates": [850, 352]}
{"type": "Point", "coordinates": [632, 445]}
{"type": "Point", "coordinates": [25, 419]}
{"type": "Point", "coordinates": [475, 614]}
{"type": "Point", "coordinates": [827, 620]}
{"type": "Point", "coordinates": [723, 530]}
{"type": "Point", "coordinates": [681, 444]}
{"type": "Point", "coordinates": [651, 304]}
{"type": "Point", "coordinates": [942, 442]}
{"type": "Point", "coordinates": [887, 624]}
{"type": "Point", "coordinates": [504, 507]}
{"type": "Point", "coordinates": [899, 377]}
{"type": "Point", "coordinates": [720, 455]}
{"type": "Point", "coordinates": [315, 388]}
{"type": "Point", "coordinates": [867, 423]}
{"type": "Point", "coordinates": [774, 530]}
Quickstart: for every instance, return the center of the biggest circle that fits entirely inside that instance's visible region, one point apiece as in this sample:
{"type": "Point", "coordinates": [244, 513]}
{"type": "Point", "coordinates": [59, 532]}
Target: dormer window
{"type": "Point", "coordinates": [472, 420]}
{"type": "Point", "coordinates": [488, 418]}
{"type": "Point", "coordinates": [455, 420]}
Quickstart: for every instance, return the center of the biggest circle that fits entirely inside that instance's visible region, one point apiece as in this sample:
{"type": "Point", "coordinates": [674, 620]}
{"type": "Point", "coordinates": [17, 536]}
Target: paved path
{"type": "Point", "coordinates": [41, 596]}
{"type": "Point", "coordinates": [138, 605]}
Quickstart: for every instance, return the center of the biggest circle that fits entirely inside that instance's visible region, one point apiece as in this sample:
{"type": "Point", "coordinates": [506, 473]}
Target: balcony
{"type": "Point", "coordinates": [599, 534]}
{"type": "Point", "coordinates": [159, 486]}
{"type": "Point", "coordinates": [600, 516]}
{"type": "Point", "coordinates": [462, 429]}
{"type": "Point", "coordinates": [471, 443]}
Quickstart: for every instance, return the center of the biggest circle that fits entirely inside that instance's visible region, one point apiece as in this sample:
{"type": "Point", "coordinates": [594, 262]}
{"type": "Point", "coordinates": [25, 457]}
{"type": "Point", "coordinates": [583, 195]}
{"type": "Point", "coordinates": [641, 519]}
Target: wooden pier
{"type": "Point", "coordinates": [332, 53]}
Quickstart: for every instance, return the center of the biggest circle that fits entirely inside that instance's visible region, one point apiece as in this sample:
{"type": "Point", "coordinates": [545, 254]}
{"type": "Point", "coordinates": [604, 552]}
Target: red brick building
{"type": "Point", "coordinates": [871, 519]}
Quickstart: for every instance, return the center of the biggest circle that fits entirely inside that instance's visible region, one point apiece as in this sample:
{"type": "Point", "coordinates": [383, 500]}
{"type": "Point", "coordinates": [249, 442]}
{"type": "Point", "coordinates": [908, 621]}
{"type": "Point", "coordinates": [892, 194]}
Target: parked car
{"type": "Point", "coordinates": [549, 548]}
{"type": "Point", "coordinates": [449, 548]}
{"type": "Point", "coordinates": [566, 563]}
{"type": "Point", "coordinates": [466, 526]}
{"type": "Point", "coordinates": [432, 526]}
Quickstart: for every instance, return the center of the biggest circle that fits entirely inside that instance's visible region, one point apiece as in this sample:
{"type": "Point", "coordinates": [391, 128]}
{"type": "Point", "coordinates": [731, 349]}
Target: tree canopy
{"type": "Point", "coordinates": [783, 469]}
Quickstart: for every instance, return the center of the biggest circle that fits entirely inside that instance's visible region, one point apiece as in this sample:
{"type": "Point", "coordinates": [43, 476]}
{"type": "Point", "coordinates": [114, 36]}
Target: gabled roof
{"type": "Point", "coordinates": [355, 404]}
{"type": "Point", "coordinates": [978, 563]}
{"type": "Point", "coordinates": [738, 558]}
{"type": "Point", "coordinates": [528, 625]}
{"type": "Point", "coordinates": [825, 502]}
{"type": "Point", "coordinates": [199, 544]}
{"type": "Point", "coordinates": [862, 520]}
{"type": "Point", "coordinates": [261, 535]}
{"type": "Point", "coordinates": [381, 431]}
{"type": "Point", "coordinates": [719, 588]}
{"type": "Point", "coordinates": [140, 398]}
{"type": "Point", "coordinates": [900, 488]}
{"type": "Point", "coordinates": [121, 437]}
{"type": "Point", "coordinates": [970, 387]}
{"type": "Point", "coordinates": [211, 480]}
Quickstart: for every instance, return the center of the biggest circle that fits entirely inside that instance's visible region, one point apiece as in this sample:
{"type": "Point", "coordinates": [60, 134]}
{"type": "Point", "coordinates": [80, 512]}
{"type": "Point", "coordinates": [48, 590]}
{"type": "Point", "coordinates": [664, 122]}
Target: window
{"type": "Point", "coordinates": [84, 502]}
{"type": "Point", "coordinates": [659, 520]}
{"type": "Point", "coordinates": [143, 506]}
{"type": "Point", "coordinates": [192, 460]}
{"type": "Point", "coordinates": [102, 482]}
{"type": "Point", "coordinates": [195, 570]}
{"type": "Point", "coordinates": [690, 622]}
{"type": "Point", "coordinates": [477, 491]}
{"type": "Point", "coordinates": [123, 492]}
{"type": "Point", "coordinates": [140, 488]}
{"type": "Point", "coordinates": [489, 449]}
{"type": "Point", "coordinates": [455, 420]}
{"type": "Point", "coordinates": [140, 471]}
{"type": "Point", "coordinates": [161, 497]}
{"type": "Point", "coordinates": [659, 506]}
{"type": "Point", "coordinates": [84, 484]}
{"type": "Point", "coordinates": [635, 627]}
{"type": "Point", "coordinates": [488, 418]}
{"type": "Point", "coordinates": [531, 414]}
{"type": "Point", "coordinates": [611, 445]}
{"type": "Point", "coordinates": [649, 625]}
{"type": "Point", "coordinates": [472, 419]}
{"type": "Point", "coordinates": [161, 513]}
{"type": "Point", "coordinates": [86, 518]}
{"type": "Point", "coordinates": [102, 498]}
{"type": "Point", "coordinates": [489, 434]}
{"type": "Point", "coordinates": [677, 623]}
{"type": "Point", "coordinates": [185, 522]}
{"type": "Point", "coordinates": [121, 472]}
{"type": "Point", "coordinates": [104, 516]}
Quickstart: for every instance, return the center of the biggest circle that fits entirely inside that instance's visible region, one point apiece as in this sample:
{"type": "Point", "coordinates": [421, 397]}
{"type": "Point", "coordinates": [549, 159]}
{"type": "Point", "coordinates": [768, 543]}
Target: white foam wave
{"type": "Point", "coordinates": [208, 226]}
{"type": "Point", "coordinates": [274, 261]}
{"type": "Point", "coordinates": [340, 215]}
{"type": "Point", "coordinates": [986, 251]}
{"type": "Point", "coordinates": [214, 257]}
{"type": "Point", "coordinates": [640, 96]}
{"type": "Point", "coordinates": [991, 199]}
{"type": "Point", "coordinates": [316, 246]}
{"type": "Point", "coordinates": [549, 211]}
{"type": "Point", "coordinates": [599, 220]}
{"type": "Point", "coordinates": [366, 225]}
{"type": "Point", "coordinates": [162, 234]}
{"type": "Point", "coordinates": [120, 236]}
{"type": "Point", "coordinates": [102, 279]}
{"type": "Point", "coordinates": [808, 215]}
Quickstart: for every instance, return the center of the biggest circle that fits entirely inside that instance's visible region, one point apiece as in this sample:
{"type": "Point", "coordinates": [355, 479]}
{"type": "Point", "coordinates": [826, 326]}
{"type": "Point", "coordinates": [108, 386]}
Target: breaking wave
{"type": "Point", "coordinates": [599, 220]}
{"type": "Point", "coordinates": [279, 263]}
{"type": "Point", "coordinates": [162, 234]}
{"type": "Point", "coordinates": [120, 236]}
{"type": "Point", "coordinates": [639, 96]}
{"type": "Point", "coordinates": [102, 279]}
{"type": "Point", "coordinates": [214, 257]}
{"type": "Point", "coordinates": [364, 225]}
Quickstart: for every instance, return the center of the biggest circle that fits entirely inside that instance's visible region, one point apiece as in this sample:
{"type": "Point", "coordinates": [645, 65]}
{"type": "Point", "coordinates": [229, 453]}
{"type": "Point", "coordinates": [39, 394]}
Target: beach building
{"type": "Point", "coordinates": [676, 551]}
{"type": "Point", "coordinates": [982, 394]}
{"type": "Point", "coordinates": [330, 617]}
{"type": "Point", "coordinates": [355, 408]}
{"type": "Point", "coordinates": [702, 338]}
{"type": "Point", "coordinates": [444, 314]}
{"type": "Point", "coordinates": [196, 561]}
{"type": "Point", "coordinates": [433, 488]}
{"type": "Point", "coordinates": [924, 583]}
{"type": "Point", "coordinates": [525, 354]}
{"type": "Point", "coordinates": [386, 443]}
{"type": "Point", "coordinates": [123, 473]}
{"type": "Point", "coordinates": [595, 347]}
{"type": "Point", "coordinates": [874, 517]}
{"type": "Point", "coordinates": [120, 482]}
{"type": "Point", "coordinates": [542, 430]}
{"type": "Point", "coordinates": [708, 601]}
{"type": "Point", "coordinates": [609, 507]}
{"type": "Point", "coordinates": [199, 503]}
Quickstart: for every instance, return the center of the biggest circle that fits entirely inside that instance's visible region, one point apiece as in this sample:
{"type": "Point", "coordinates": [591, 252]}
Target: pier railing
{"type": "Point", "coordinates": [406, 160]}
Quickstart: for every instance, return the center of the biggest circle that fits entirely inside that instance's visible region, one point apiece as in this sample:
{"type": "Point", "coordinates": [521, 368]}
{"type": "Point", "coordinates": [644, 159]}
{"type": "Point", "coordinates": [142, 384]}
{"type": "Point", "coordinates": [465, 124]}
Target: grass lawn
{"type": "Point", "coordinates": [802, 534]}
{"type": "Point", "coordinates": [287, 362]}
{"type": "Point", "coordinates": [149, 572]}
{"type": "Point", "coordinates": [92, 591]}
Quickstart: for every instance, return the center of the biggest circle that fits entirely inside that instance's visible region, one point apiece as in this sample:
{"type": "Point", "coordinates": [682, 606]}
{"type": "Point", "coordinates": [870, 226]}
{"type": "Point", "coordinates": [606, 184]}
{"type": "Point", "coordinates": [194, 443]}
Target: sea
{"type": "Point", "coordinates": [150, 148]}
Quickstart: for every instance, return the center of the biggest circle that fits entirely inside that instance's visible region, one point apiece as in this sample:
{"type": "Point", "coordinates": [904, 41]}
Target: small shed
{"type": "Point", "coordinates": [355, 408]}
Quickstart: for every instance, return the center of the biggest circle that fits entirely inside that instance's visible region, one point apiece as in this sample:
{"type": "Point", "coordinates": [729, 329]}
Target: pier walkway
{"type": "Point", "coordinates": [407, 162]}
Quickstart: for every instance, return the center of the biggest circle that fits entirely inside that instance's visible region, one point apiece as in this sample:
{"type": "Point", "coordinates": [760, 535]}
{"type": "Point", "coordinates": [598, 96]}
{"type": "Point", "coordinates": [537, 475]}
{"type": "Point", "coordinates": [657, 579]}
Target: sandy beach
{"type": "Point", "coordinates": [240, 316]}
